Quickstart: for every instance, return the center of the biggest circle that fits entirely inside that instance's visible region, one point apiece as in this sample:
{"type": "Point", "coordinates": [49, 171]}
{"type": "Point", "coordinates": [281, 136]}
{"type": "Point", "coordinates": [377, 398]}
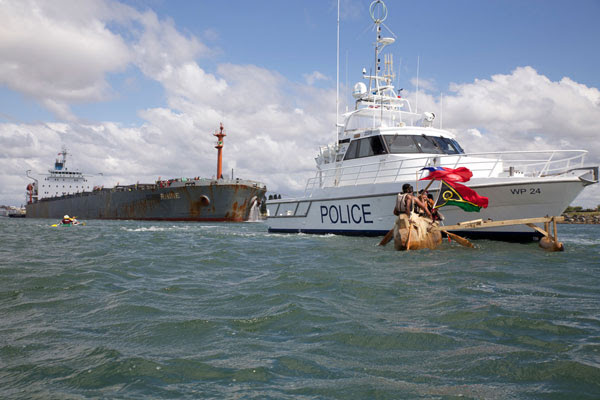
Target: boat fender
{"type": "Point", "coordinates": [549, 244]}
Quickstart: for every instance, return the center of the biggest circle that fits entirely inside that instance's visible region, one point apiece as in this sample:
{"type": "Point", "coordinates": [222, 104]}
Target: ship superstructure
{"type": "Point", "coordinates": [60, 181]}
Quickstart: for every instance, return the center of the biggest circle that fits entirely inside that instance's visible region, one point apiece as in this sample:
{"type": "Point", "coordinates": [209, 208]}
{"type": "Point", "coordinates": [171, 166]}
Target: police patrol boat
{"type": "Point", "coordinates": [383, 144]}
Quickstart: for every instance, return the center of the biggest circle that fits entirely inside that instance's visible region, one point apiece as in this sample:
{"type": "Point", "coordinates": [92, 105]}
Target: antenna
{"type": "Point", "coordinates": [347, 88]}
{"type": "Point", "coordinates": [441, 110]}
{"type": "Point", "coordinates": [417, 94]}
{"type": "Point", "coordinates": [399, 71]}
{"type": "Point", "coordinates": [337, 95]}
{"type": "Point", "coordinates": [378, 15]}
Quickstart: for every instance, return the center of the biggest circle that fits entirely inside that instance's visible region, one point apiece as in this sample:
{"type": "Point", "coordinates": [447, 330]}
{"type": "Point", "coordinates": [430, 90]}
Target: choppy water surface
{"type": "Point", "coordinates": [127, 309]}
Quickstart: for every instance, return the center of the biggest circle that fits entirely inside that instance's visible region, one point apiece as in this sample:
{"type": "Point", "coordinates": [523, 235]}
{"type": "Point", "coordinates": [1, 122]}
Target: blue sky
{"type": "Point", "coordinates": [127, 86]}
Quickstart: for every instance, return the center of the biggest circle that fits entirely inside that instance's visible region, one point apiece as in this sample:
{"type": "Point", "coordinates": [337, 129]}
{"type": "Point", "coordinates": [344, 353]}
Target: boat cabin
{"type": "Point", "coordinates": [380, 144]}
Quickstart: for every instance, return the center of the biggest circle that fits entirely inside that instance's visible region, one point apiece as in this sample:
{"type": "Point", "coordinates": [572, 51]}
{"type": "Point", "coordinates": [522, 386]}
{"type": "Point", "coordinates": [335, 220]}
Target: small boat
{"type": "Point", "coordinates": [416, 232]}
{"type": "Point", "coordinates": [69, 221]}
{"type": "Point", "coordinates": [17, 215]}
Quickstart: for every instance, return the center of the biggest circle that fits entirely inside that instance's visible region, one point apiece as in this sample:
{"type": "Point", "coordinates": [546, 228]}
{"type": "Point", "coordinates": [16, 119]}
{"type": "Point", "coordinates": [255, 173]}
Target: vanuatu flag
{"type": "Point", "coordinates": [460, 174]}
{"type": "Point", "coordinates": [455, 194]}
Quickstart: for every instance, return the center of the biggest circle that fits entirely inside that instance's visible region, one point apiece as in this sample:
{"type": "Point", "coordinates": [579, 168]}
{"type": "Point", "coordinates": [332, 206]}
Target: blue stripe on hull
{"type": "Point", "coordinates": [329, 231]}
{"type": "Point", "coordinates": [515, 237]}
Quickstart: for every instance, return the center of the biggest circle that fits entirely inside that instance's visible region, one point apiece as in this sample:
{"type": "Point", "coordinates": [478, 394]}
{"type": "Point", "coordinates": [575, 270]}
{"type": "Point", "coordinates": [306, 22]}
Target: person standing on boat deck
{"type": "Point", "coordinates": [407, 200]}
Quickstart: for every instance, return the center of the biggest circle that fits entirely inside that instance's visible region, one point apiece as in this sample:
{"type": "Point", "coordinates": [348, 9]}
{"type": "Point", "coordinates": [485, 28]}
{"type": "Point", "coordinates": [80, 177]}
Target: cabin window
{"type": "Point", "coordinates": [366, 147]}
{"type": "Point", "coordinates": [401, 144]}
{"type": "Point", "coordinates": [371, 146]}
{"type": "Point", "coordinates": [448, 146]}
{"type": "Point", "coordinates": [351, 152]}
{"type": "Point", "coordinates": [427, 145]}
{"type": "Point", "coordinates": [457, 146]}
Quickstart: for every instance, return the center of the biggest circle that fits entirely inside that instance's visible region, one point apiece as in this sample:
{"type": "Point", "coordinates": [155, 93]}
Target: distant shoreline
{"type": "Point", "coordinates": [582, 218]}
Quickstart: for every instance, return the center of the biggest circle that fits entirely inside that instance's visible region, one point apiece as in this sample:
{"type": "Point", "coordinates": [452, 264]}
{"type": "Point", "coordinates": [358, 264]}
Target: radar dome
{"type": "Point", "coordinates": [359, 90]}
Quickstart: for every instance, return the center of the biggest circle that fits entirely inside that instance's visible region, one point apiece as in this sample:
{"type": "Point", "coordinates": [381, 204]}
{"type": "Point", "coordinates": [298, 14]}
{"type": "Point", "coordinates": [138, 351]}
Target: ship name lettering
{"type": "Point", "coordinates": [338, 214]}
{"type": "Point", "coordinates": [169, 196]}
{"type": "Point", "coordinates": [521, 191]}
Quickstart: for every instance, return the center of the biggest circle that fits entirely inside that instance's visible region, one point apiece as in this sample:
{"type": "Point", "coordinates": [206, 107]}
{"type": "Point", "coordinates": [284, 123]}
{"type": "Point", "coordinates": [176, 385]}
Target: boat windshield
{"type": "Point", "coordinates": [403, 144]}
{"type": "Point", "coordinates": [457, 146]}
{"type": "Point", "coordinates": [427, 145]}
{"type": "Point", "coordinates": [400, 144]}
{"type": "Point", "coordinates": [448, 146]}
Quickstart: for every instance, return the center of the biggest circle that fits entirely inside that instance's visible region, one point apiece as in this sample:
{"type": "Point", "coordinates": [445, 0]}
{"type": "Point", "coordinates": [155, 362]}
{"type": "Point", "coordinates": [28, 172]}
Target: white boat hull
{"type": "Point", "coordinates": [367, 210]}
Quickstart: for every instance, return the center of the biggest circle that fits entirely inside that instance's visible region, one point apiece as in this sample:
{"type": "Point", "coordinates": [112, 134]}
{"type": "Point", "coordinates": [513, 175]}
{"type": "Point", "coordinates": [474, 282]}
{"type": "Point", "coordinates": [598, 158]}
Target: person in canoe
{"type": "Point", "coordinates": [407, 201]}
{"type": "Point", "coordinates": [69, 220]}
{"type": "Point", "coordinates": [427, 199]}
{"type": "Point", "coordinates": [412, 231]}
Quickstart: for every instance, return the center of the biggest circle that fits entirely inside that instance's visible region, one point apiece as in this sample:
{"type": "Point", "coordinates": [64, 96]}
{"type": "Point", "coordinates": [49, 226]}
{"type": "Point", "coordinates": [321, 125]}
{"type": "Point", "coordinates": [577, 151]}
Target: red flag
{"type": "Point", "coordinates": [470, 195]}
{"type": "Point", "coordinates": [460, 174]}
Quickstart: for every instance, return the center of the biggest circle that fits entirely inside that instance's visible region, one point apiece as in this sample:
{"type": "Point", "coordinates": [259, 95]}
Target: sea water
{"type": "Point", "coordinates": [164, 310]}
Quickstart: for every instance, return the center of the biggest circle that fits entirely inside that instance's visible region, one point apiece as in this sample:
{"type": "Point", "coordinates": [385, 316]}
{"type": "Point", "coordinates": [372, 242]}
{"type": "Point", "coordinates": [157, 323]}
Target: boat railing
{"type": "Point", "coordinates": [489, 164]}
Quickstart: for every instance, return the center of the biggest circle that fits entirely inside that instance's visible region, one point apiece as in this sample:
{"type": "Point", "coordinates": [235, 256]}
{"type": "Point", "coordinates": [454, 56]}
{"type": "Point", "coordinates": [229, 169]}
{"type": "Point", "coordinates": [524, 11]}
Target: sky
{"type": "Point", "coordinates": [135, 89]}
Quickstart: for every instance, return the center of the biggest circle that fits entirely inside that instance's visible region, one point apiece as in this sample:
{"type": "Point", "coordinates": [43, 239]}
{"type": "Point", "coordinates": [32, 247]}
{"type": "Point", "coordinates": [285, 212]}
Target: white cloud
{"type": "Point", "coordinates": [59, 51]}
{"type": "Point", "coordinates": [424, 84]}
{"type": "Point", "coordinates": [474, 132]}
{"type": "Point", "coordinates": [314, 77]}
{"type": "Point", "coordinates": [526, 110]}
{"type": "Point", "coordinates": [161, 49]}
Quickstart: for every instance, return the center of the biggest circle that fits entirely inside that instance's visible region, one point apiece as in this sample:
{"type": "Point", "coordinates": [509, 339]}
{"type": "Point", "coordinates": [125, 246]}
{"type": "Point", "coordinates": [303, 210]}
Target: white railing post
{"type": "Point", "coordinates": [546, 167]}
{"type": "Point", "coordinates": [358, 175]}
{"type": "Point", "coordinates": [495, 164]}
{"type": "Point", "coordinates": [398, 170]}
{"type": "Point", "coordinates": [457, 161]}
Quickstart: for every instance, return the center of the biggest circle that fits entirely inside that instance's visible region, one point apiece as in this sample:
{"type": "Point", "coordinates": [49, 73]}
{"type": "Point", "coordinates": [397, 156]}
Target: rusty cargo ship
{"type": "Point", "coordinates": [64, 191]}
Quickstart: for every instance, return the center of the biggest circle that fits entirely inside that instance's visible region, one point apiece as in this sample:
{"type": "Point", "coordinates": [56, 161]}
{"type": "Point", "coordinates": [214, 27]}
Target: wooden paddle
{"type": "Point", "coordinates": [459, 239]}
{"type": "Point", "coordinates": [388, 236]}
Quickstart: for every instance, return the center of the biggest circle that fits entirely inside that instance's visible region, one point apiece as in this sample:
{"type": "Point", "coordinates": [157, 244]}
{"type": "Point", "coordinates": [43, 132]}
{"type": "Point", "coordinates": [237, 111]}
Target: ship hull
{"type": "Point", "coordinates": [210, 201]}
{"type": "Point", "coordinates": [352, 211]}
